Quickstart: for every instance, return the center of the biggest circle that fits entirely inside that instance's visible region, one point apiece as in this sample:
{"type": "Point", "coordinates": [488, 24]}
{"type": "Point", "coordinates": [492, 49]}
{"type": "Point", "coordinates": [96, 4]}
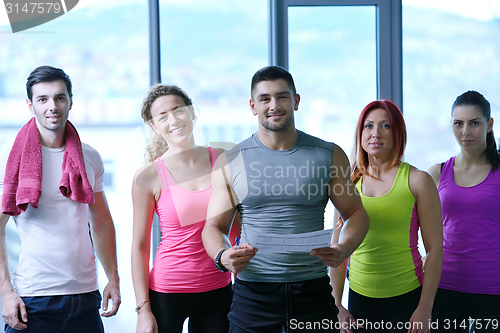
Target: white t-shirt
{"type": "Point", "coordinates": [56, 256]}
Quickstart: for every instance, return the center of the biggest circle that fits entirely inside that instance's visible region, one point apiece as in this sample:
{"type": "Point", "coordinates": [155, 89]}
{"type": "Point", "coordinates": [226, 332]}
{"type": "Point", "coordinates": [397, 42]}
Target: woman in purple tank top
{"type": "Point", "coordinates": [176, 185]}
{"type": "Point", "coordinates": [468, 297]}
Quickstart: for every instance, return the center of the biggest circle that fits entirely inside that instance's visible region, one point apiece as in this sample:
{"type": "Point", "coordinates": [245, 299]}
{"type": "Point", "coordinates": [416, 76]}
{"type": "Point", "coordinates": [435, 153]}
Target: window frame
{"type": "Point", "coordinates": [389, 40]}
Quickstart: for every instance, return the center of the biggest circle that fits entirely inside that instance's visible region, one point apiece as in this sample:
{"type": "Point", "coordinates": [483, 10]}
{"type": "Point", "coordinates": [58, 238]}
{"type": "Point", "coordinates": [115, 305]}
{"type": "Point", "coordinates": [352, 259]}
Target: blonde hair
{"type": "Point", "coordinates": [156, 145]}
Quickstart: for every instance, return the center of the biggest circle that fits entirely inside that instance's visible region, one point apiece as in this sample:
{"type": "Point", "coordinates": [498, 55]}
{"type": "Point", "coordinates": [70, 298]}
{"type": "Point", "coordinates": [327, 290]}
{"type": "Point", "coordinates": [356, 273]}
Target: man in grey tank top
{"type": "Point", "coordinates": [279, 180]}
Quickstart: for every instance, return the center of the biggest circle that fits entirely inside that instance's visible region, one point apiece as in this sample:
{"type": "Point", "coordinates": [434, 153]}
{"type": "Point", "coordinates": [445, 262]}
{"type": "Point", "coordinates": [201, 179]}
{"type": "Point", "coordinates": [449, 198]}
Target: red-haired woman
{"type": "Point", "coordinates": [389, 291]}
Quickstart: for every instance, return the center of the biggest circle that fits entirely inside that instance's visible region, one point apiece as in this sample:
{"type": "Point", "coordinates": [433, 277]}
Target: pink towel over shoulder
{"type": "Point", "coordinates": [74, 182]}
{"type": "Point", "coordinates": [23, 174]}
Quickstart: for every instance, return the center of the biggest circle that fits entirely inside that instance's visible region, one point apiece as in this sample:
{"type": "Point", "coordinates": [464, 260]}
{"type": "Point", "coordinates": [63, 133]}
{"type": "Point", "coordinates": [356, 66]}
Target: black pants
{"type": "Point", "coordinates": [455, 311]}
{"type": "Point", "coordinates": [269, 307]}
{"type": "Point", "coordinates": [390, 314]}
{"type": "Point", "coordinates": [207, 311]}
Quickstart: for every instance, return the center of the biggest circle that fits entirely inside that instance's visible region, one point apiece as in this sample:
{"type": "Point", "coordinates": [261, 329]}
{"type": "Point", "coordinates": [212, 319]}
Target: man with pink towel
{"type": "Point", "coordinates": [52, 186]}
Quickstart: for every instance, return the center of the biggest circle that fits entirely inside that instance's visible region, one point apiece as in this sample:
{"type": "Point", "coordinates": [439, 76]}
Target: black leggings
{"type": "Point", "coordinates": [453, 311]}
{"type": "Point", "coordinates": [207, 311]}
{"type": "Point", "coordinates": [390, 314]}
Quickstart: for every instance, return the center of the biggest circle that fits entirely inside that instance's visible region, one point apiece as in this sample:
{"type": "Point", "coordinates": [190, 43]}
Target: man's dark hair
{"type": "Point", "coordinates": [46, 74]}
{"type": "Point", "coordinates": [272, 73]}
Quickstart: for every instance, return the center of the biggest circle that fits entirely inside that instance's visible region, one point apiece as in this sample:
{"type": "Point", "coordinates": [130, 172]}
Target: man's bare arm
{"type": "Point", "coordinates": [12, 305]}
{"type": "Point", "coordinates": [347, 201]}
{"type": "Point", "coordinates": [349, 205]}
{"type": "Point", "coordinates": [103, 235]}
{"type": "Point", "coordinates": [220, 213]}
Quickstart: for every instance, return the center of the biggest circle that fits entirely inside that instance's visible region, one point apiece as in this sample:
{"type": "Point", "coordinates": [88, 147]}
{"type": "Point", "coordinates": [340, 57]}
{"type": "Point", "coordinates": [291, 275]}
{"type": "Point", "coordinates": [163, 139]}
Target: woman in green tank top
{"type": "Point", "coordinates": [389, 291]}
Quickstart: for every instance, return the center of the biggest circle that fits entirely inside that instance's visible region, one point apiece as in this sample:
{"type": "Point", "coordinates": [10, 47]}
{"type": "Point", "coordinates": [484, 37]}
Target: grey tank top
{"type": "Point", "coordinates": [281, 192]}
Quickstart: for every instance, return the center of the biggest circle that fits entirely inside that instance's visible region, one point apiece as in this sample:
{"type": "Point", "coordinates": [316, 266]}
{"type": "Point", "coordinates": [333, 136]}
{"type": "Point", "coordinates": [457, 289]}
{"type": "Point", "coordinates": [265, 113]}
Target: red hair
{"type": "Point", "coordinates": [361, 162]}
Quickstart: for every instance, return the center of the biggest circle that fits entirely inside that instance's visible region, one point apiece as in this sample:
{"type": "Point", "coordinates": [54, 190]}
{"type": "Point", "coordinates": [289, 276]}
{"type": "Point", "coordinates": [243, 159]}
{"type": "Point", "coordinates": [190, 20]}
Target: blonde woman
{"type": "Point", "coordinates": [176, 184]}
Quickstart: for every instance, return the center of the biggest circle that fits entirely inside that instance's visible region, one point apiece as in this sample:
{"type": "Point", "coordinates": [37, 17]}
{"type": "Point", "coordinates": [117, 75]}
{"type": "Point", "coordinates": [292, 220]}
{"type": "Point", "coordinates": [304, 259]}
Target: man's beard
{"type": "Point", "coordinates": [277, 127]}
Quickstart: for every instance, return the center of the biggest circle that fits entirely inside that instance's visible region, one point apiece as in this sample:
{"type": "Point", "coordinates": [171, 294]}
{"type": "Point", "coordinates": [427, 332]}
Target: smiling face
{"type": "Point", "coordinates": [470, 127]}
{"type": "Point", "coordinates": [51, 104]}
{"type": "Point", "coordinates": [172, 119]}
{"type": "Point", "coordinates": [377, 138]}
{"type": "Point", "coordinates": [274, 103]}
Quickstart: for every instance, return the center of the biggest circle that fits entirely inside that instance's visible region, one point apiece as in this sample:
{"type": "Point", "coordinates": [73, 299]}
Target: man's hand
{"type": "Point", "coordinates": [237, 260]}
{"type": "Point", "coordinates": [332, 256]}
{"type": "Point", "coordinates": [12, 306]}
{"type": "Point", "coordinates": [112, 291]}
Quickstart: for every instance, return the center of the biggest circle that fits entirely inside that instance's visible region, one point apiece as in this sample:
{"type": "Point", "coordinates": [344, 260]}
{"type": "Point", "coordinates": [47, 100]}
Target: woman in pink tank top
{"type": "Point", "coordinates": [468, 297]}
{"type": "Point", "coordinates": [176, 185]}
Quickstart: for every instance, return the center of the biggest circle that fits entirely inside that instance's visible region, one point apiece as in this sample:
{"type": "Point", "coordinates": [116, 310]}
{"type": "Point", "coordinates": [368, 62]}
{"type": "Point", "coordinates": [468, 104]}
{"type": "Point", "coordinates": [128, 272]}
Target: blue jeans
{"type": "Point", "coordinates": [266, 307]}
{"type": "Point", "coordinates": [67, 313]}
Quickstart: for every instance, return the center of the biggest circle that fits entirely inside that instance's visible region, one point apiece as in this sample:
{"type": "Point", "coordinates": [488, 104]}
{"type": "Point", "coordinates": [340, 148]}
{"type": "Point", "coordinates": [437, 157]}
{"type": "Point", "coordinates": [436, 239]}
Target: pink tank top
{"type": "Point", "coordinates": [181, 264]}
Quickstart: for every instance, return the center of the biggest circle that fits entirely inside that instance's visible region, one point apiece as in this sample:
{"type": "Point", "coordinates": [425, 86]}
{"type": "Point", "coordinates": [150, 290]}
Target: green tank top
{"type": "Point", "coordinates": [388, 263]}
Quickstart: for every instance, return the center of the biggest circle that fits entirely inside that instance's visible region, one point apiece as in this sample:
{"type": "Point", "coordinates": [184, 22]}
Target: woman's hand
{"type": "Point", "coordinates": [146, 321]}
{"type": "Point", "coordinates": [420, 320]}
{"type": "Point", "coordinates": [346, 321]}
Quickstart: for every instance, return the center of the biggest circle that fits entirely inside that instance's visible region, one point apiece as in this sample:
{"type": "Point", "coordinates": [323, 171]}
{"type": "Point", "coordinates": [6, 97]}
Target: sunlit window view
{"type": "Point", "coordinates": [104, 50]}
{"type": "Point", "coordinates": [211, 48]}
{"type": "Point", "coordinates": [333, 57]}
{"type": "Point", "coordinates": [332, 53]}
{"type": "Point", "coordinates": [447, 50]}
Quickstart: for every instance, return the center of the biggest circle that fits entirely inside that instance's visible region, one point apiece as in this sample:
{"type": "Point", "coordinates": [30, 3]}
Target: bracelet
{"type": "Point", "coordinates": [140, 305]}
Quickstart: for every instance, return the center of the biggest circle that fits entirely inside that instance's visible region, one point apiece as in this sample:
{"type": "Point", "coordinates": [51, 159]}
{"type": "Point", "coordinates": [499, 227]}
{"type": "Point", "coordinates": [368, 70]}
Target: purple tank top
{"type": "Point", "coordinates": [471, 233]}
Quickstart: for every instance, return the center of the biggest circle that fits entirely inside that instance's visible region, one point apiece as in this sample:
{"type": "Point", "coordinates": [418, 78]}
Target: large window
{"type": "Point", "coordinates": [333, 57]}
{"type": "Point", "coordinates": [449, 47]}
{"type": "Point", "coordinates": [209, 48]}
{"type": "Point", "coordinates": [104, 50]}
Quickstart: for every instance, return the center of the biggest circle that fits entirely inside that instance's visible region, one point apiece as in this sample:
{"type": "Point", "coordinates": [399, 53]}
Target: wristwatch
{"type": "Point", "coordinates": [217, 262]}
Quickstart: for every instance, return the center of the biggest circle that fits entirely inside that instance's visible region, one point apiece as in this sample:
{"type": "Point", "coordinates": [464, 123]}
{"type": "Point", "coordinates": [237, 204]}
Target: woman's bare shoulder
{"type": "Point", "coordinates": [147, 177]}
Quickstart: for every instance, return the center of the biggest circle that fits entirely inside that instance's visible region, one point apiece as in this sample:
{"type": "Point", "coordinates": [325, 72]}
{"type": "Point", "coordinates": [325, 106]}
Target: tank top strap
{"type": "Point", "coordinates": [162, 172]}
{"type": "Point", "coordinates": [446, 176]}
{"type": "Point", "coordinates": [213, 155]}
{"type": "Point", "coordinates": [403, 172]}
{"type": "Point", "coordinates": [166, 177]}
{"type": "Point", "coordinates": [401, 182]}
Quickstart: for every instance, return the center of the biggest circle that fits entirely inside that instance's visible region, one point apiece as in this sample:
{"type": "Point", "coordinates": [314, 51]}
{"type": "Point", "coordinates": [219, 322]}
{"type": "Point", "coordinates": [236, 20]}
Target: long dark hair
{"type": "Point", "coordinates": [473, 98]}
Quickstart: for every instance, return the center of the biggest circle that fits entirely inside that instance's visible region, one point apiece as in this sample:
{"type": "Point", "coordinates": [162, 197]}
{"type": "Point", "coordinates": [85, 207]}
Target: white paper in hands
{"type": "Point", "coordinates": [304, 242]}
